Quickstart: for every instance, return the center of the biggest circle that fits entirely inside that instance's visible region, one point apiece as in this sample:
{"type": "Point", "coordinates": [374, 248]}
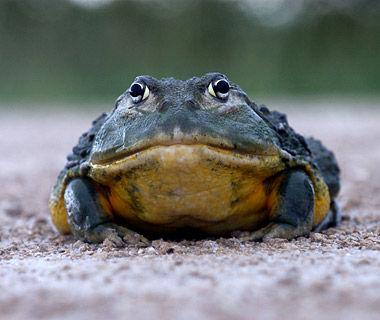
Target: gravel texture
{"type": "Point", "coordinates": [330, 275]}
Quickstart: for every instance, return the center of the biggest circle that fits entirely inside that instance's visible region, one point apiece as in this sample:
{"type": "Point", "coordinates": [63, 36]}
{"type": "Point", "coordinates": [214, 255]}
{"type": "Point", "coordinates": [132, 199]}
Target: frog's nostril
{"type": "Point", "coordinates": [192, 105]}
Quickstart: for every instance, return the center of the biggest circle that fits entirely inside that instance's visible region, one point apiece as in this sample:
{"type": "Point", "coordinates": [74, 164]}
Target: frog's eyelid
{"type": "Point", "coordinates": [147, 80]}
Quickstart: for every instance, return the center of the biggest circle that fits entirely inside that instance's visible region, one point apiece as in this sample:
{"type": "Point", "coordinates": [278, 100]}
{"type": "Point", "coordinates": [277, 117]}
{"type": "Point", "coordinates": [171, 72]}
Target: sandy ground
{"type": "Point", "coordinates": [330, 275]}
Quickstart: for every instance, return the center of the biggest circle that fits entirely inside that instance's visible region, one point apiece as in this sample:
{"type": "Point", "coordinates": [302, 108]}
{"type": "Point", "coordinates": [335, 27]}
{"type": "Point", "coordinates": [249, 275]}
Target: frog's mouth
{"type": "Point", "coordinates": [169, 160]}
{"type": "Point", "coordinates": [217, 145]}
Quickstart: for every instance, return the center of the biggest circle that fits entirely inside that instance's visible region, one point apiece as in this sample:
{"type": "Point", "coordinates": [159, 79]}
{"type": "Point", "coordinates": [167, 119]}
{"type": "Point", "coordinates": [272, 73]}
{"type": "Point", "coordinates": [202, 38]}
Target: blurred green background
{"type": "Point", "coordinates": [91, 50]}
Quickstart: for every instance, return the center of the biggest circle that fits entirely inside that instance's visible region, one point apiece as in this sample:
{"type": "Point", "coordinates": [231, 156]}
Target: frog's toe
{"type": "Point", "coordinates": [274, 230]}
{"type": "Point", "coordinates": [118, 235]}
{"type": "Point", "coordinates": [131, 237]}
{"type": "Point", "coordinates": [103, 232]}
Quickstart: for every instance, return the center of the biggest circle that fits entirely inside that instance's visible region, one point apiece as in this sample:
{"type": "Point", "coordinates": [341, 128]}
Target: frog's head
{"type": "Point", "coordinates": [208, 110]}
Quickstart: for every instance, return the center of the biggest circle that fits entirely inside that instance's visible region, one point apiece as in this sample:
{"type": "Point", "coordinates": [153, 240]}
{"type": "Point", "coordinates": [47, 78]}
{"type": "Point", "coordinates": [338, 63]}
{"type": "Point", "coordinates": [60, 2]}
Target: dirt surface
{"type": "Point", "coordinates": [330, 275]}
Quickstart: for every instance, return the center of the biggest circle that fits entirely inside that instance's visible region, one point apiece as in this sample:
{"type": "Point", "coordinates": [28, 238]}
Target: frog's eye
{"type": "Point", "coordinates": [139, 91]}
{"type": "Point", "coordinates": [219, 88]}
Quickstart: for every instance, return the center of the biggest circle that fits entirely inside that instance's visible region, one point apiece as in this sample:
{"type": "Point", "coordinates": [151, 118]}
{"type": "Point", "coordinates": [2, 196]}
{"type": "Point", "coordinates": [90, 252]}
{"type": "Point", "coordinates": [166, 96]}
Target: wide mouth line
{"type": "Point", "coordinates": [128, 152]}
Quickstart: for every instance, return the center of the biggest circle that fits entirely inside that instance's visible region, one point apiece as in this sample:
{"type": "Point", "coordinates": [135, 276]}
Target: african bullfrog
{"type": "Point", "coordinates": [194, 155]}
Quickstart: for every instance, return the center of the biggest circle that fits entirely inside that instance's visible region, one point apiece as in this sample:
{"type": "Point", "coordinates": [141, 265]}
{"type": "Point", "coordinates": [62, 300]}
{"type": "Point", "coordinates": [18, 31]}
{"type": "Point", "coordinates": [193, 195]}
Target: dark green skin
{"type": "Point", "coordinates": [237, 123]}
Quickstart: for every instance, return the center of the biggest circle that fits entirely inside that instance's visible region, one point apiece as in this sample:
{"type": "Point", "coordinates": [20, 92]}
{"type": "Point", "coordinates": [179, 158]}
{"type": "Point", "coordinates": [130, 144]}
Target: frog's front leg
{"type": "Point", "coordinates": [291, 208]}
{"type": "Point", "coordinates": [90, 215]}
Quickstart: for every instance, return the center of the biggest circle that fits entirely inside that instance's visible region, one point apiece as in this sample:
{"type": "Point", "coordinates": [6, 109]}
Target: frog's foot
{"type": "Point", "coordinates": [118, 235]}
{"type": "Point", "coordinates": [272, 231]}
{"type": "Point", "coordinates": [90, 217]}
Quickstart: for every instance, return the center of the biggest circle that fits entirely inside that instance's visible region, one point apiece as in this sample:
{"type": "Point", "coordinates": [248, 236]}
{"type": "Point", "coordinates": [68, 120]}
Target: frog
{"type": "Point", "coordinates": [194, 156]}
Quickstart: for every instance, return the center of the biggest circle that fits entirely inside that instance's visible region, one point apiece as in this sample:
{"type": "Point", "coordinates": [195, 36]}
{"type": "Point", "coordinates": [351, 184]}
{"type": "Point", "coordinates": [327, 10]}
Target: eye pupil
{"type": "Point", "coordinates": [222, 86]}
{"type": "Point", "coordinates": [136, 90]}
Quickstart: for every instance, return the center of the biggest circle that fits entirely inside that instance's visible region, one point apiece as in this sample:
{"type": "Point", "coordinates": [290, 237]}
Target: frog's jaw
{"type": "Point", "coordinates": [188, 185]}
{"type": "Point", "coordinates": [166, 137]}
